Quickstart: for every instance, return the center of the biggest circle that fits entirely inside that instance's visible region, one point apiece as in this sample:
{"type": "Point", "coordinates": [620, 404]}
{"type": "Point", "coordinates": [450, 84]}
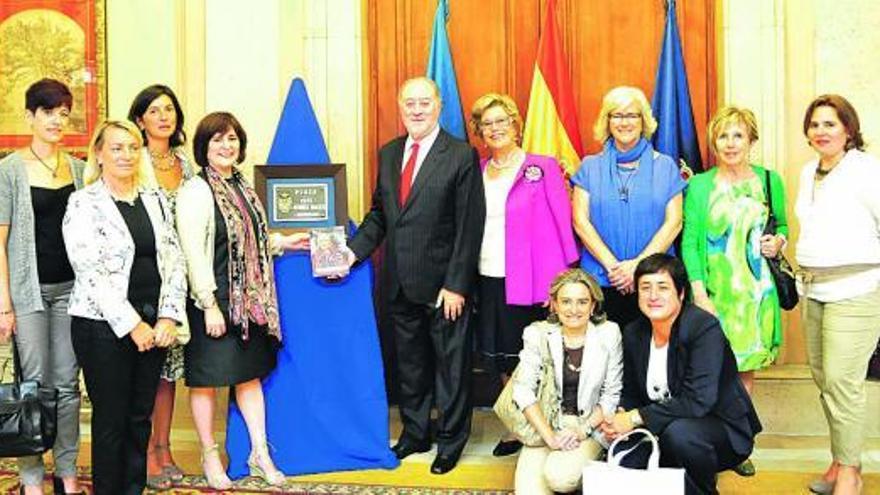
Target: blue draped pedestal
{"type": "Point", "coordinates": [326, 407]}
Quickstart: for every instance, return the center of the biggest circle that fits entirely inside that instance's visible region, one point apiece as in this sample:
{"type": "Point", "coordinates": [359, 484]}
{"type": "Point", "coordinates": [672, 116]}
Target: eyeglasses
{"type": "Point", "coordinates": [625, 116]}
{"type": "Point", "coordinates": [502, 123]}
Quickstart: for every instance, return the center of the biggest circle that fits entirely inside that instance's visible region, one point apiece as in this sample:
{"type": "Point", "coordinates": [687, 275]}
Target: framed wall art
{"type": "Point", "coordinates": [59, 39]}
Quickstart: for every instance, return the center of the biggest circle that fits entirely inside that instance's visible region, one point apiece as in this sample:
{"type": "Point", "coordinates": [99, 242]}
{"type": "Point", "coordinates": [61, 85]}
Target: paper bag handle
{"type": "Point", "coordinates": [653, 460]}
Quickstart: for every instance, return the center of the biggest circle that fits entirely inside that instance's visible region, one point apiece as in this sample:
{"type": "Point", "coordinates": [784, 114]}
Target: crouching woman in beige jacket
{"type": "Point", "coordinates": [588, 367]}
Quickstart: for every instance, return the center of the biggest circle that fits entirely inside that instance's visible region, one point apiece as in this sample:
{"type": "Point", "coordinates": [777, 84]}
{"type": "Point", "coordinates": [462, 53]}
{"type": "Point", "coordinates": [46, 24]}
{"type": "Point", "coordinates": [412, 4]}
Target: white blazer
{"type": "Point", "coordinates": [601, 378]}
{"type": "Point", "coordinates": [101, 252]}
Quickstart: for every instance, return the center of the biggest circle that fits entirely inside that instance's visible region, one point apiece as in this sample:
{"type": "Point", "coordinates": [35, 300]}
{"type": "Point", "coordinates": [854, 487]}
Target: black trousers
{"type": "Point", "coordinates": [433, 364]}
{"type": "Point", "coordinates": [699, 445]}
{"type": "Point", "coordinates": [121, 383]}
{"type": "Point", "coordinates": [619, 308]}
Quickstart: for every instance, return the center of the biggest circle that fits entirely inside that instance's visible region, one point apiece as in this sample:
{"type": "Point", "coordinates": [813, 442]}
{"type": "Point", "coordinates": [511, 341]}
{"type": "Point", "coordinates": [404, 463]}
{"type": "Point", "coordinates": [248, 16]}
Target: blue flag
{"type": "Point", "coordinates": [676, 134]}
{"type": "Point", "coordinates": [298, 139]}
{"type": "Point", "coordinates": [442, 72]}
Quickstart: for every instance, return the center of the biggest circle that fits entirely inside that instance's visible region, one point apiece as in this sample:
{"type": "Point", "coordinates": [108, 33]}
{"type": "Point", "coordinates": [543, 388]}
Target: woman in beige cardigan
{"type": "Point", "coordinates": [588, 366]}
{"type": "Point", "coordinates": [233, 312]}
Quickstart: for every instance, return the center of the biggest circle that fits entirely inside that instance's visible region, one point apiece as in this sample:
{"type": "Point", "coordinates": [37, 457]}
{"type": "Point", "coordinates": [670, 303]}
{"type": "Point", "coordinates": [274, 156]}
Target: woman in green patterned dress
{"type": "Point", "coordinates": [724, 246]}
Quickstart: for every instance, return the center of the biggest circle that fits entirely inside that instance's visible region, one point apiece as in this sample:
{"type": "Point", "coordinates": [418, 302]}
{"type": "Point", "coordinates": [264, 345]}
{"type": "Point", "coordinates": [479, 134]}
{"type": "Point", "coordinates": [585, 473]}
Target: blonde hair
{"type": "Point", "coordinates": [620, 97]}
{"type": "Point", "coordinates": [731, 115]}
{"type": "Point", "coordinates": [490, 100]}
{"type": "Point", "coordinates": [92, 170]}
{"type": "Point", "coordinates": [578, 276]}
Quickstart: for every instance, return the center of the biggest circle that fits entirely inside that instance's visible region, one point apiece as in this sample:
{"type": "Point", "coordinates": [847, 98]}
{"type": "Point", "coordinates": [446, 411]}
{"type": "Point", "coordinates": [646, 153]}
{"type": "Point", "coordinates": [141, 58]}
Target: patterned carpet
{"type": "Point", "coordinates": [246, 486]}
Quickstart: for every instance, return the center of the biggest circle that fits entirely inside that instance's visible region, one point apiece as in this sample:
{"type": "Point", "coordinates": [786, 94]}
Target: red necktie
{"type": "Point", "coordinates": [407, 176]}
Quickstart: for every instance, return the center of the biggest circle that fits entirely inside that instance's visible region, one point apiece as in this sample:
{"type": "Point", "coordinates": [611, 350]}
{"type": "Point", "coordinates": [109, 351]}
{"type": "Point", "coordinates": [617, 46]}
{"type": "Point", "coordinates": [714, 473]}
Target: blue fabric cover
{"type": "Point", "coordinates": [298, 139]}
{"type": "Point", "coordinates": [326, 407]}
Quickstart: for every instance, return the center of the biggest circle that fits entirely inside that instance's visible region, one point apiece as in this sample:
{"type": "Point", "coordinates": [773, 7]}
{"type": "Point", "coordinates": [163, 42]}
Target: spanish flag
{"type": "Point", "coordinates": [551, 126]}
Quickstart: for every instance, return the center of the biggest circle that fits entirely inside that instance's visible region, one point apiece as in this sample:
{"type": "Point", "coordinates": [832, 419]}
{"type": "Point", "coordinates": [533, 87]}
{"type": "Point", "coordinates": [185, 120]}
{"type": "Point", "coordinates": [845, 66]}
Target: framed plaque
{"type": "Point", "coordinates": [302, 197]}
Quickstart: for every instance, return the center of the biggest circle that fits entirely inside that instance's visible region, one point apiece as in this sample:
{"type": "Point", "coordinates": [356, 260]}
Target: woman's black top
{"type": "Point", "coordinates": [49, 206]}
{"type": "Point", "coordinates": [144, 281]}
{"type": "Point", "coordinates": [571, 375]}
{"type": "Point", "coordinates": [221, 244]}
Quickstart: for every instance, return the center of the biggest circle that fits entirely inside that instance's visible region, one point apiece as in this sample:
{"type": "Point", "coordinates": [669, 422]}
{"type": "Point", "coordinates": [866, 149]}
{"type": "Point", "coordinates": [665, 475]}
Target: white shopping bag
{"type": "Point", "coordinates": [609, 477]}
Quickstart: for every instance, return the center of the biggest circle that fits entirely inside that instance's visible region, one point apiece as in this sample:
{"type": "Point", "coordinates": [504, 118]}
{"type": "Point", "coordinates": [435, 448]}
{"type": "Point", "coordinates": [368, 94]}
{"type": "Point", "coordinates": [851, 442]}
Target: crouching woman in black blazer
{"type": "Point", "coordinates": [680, 382]}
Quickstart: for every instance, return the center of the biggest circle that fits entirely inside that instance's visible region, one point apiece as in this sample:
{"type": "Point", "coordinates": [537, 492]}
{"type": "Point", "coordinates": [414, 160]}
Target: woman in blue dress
{"type": "Point", "coordinates": [627, 200]}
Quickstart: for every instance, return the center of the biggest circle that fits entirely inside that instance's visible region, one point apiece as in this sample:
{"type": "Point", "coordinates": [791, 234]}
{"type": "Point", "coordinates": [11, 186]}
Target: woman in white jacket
{"type": "Point", "coordinates": [128, 298]}
{"type": "Point", "coordinates": [588, 366]}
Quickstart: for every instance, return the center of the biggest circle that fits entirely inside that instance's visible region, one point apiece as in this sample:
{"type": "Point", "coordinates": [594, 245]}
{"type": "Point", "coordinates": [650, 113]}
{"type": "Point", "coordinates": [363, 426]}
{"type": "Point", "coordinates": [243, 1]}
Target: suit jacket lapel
{"type": "Point", "coordinates": [588, 358]}
{"type": "Point", "coordinates": [520, 176]}
{"type": "Point", "coordinates": [672, 356]}
{"type": "Point", "coordinates": [433, 161]}
{"type": "Point", "coordinates": [554, 342]}
{"type": "Point", "coordinates": [154, 210]}
{"type": "Point", "coordinates": [644, 354]}
{"type": "Point", "coordinates": [397, 162]}
{"type": "Point", "coordinates": [107, 205]}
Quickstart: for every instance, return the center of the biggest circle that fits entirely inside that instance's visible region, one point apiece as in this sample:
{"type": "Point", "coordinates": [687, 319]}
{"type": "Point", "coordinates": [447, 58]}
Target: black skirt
{"type": "Point", "coordinates": [228, 360]}
{"type": "Point", "coordinates": [501, 325]}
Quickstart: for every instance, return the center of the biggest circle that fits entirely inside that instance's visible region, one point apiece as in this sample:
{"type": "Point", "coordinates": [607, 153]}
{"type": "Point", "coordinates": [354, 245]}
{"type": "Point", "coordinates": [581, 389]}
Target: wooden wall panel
{"type": "Point", "coordinates": [494, 43]}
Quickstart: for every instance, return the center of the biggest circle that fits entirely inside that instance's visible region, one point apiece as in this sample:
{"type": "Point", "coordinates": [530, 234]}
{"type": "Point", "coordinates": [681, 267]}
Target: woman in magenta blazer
{"type": "Point", "coordinates": [527, 238]}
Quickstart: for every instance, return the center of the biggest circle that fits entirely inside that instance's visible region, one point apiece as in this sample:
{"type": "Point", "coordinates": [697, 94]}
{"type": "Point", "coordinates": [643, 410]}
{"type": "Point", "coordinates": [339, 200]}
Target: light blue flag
{"type": "Point", "coordinates": [676, 134]}
{"type": "Point", "coordinates": [442, 72]}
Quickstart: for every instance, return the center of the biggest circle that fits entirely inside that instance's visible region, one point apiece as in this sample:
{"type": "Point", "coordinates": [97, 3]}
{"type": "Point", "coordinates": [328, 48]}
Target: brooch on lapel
{"type": "Point", "coordinates": [533, 173]}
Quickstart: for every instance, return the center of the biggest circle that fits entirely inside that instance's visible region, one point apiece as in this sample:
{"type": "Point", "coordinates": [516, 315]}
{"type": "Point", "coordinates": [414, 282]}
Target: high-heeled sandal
{"type": "Point", "coordinates": [171, 471]}
{"type": "Point", "coordinates": [216, 479]}
{"type": "Point", "coordinates": [260, 465]}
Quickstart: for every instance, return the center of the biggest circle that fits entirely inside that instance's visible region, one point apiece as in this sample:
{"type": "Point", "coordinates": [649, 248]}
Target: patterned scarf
{"type": "Point", "coordinates": [251, 273]}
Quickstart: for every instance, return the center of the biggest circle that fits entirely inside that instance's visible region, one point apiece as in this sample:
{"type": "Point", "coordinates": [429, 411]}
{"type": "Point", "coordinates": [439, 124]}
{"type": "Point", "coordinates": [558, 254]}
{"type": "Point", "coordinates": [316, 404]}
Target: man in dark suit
{"type": "Point", "coordinates": [429, 208]}
{"type": "Point", "coordinates": [694, 401]}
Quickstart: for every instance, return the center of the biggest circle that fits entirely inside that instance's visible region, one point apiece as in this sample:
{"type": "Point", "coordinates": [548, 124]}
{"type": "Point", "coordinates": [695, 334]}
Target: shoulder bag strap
{"type": "Point", "coordinates": [769, 192]}
{"type": "Point", "coordinates": [16, 362]}
{"type": "Point", "coordinates": [771, 218]}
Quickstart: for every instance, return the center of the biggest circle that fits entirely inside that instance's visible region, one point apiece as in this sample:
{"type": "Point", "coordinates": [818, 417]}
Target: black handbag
{"type": "Point", "coordinates": [874, 364]}
{"type": "Point", "coordinates": [28, 412]}
{"type": "Point", "coordinates": [780, 268]}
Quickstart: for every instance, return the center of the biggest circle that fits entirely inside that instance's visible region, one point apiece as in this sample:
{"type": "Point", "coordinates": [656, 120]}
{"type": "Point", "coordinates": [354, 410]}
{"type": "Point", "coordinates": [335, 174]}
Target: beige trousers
{"type": "Point", "coordinates": [541, 471]}
{"type": "Point", "coordinates": [841, 336]}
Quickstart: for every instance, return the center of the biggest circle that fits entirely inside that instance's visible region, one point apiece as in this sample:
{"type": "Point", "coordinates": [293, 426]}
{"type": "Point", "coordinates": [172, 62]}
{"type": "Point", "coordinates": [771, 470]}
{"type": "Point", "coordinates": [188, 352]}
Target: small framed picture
{"type": "Point", "coordinates": [328, 252]}
{"type": "Point", "coordinates": [302, 197]}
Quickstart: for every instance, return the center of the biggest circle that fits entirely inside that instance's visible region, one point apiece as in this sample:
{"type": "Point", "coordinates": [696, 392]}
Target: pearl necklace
{"type": "Point", "coordinates": [514, 158]}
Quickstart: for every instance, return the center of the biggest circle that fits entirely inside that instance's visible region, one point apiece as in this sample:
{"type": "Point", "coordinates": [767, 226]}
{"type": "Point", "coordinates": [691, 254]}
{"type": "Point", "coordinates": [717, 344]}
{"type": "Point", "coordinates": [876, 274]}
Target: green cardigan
{"type": "Point", "coordinates": [696, 202]}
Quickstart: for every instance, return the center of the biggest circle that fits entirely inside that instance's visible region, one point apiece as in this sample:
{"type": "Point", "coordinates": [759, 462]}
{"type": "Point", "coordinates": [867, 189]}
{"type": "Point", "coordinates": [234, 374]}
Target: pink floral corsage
{"type": "Point", "coordinates": [533, 173]}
